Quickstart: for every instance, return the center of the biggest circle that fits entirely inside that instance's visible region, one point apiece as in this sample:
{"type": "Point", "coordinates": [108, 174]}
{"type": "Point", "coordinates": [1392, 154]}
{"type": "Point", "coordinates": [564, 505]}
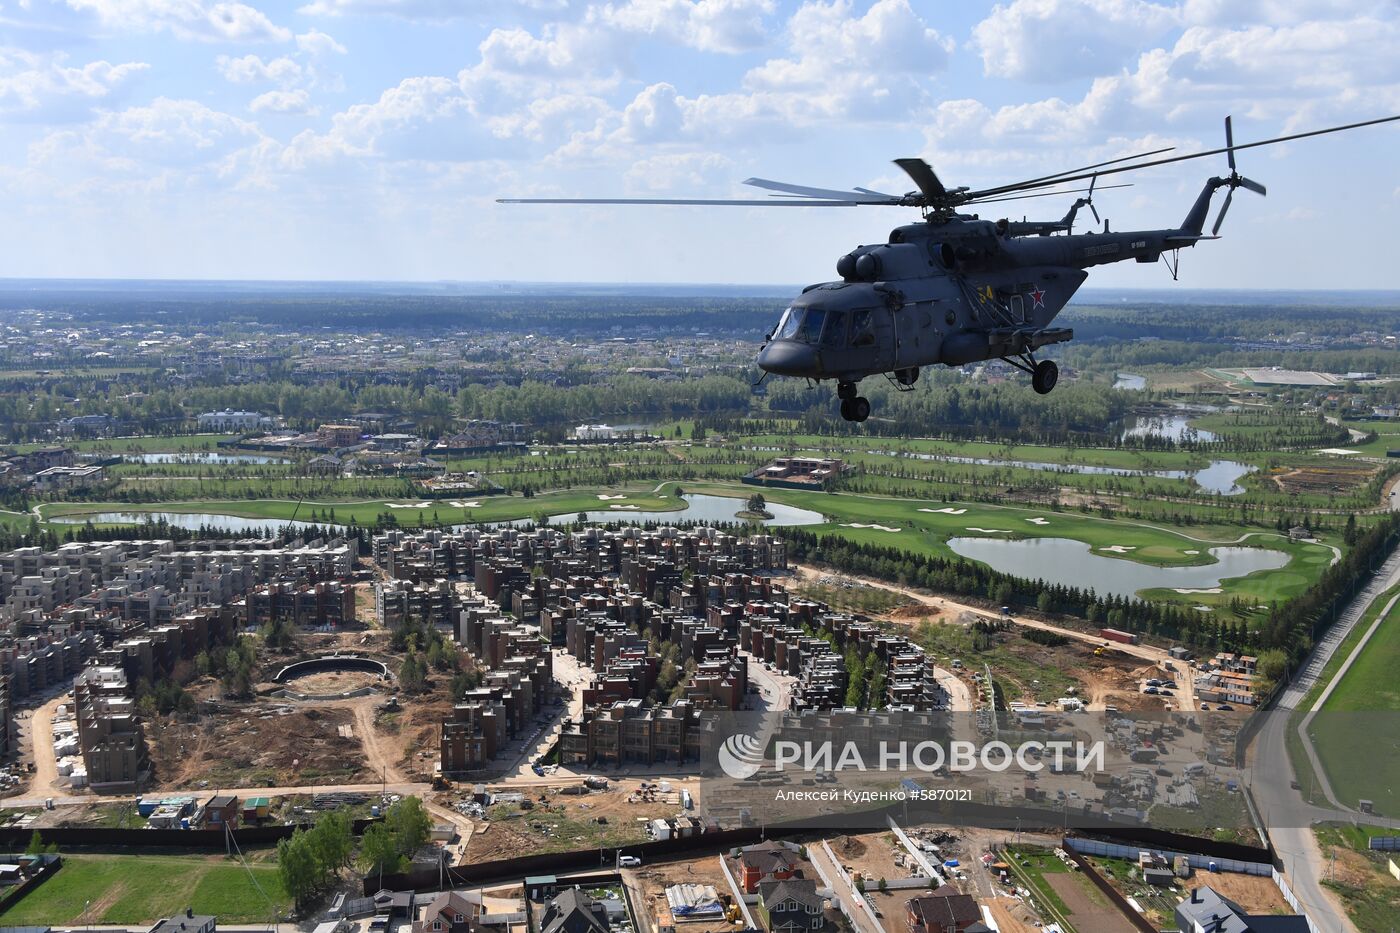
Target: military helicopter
{"type": "Point", "coordinates": [956, 289]}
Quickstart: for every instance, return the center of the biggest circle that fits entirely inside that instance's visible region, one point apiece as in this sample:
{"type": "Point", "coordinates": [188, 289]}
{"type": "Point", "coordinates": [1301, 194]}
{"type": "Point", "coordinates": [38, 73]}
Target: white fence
{"type": "Point", "coordinates": [1203, 862]}
{"type": "Point", "coordinates": [1293, 901]}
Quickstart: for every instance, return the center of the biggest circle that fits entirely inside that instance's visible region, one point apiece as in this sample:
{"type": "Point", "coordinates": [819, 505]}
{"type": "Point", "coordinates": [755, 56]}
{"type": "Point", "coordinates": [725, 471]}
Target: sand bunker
{"type": "Point", "coordinates": [604, 497]}
{"type": "Point", "coordinates": [625, 508]}
{"type": "Point", "coordinates": [1208, 589]}
{"type": "Point", "coordinates": [1037, 521]}
{"type": "Point", "coordinates": [876, 527]}
{"type": "Point", "coordinates": [1338, 451]}
{"type": "Point", "coordinates": [1192, 553]}
{"type": "Point", "coordinates": [465, 505]}
{"type": "Point", "coordinates": [408, 505]}
{"type": "Point", "coordinates": [991, 531]}
{"type": "Point", "coordinates": [1119, 548]}
{"type": "Point", "coordinates": [948, 511]}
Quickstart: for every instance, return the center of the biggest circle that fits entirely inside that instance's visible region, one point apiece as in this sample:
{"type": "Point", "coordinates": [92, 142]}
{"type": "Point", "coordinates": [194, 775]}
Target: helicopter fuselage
{"type": "Point", "coordinates": [950, 293]}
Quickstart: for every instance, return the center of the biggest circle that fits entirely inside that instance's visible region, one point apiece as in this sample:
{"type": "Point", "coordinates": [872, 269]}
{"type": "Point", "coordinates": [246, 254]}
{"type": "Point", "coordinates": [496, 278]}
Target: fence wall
{"type": "Point", "coordinates": [554, 863]}
{"type": "Point", "coordinates": [1202, 862]}
{"type": "Point", "coordinates": [1293, 901]}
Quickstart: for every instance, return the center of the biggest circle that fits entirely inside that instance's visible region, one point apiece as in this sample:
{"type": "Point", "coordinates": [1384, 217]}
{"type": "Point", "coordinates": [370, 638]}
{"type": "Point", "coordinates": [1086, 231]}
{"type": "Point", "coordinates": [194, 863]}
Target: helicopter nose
{"type": "Point", "coordinates": [788, 358]}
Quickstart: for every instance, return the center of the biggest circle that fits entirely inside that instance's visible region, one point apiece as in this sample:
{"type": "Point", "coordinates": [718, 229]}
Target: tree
{"type": "Point", "coordinates": [297, 866]}
{"type": "Point", "coordinates": [757, 503]}
{"type": "Point", "coordinates": [409, 824]}
{"type": "Point", "coordinates": [412, 673]}
{"type": "Point", "coordinates": [377, 851]}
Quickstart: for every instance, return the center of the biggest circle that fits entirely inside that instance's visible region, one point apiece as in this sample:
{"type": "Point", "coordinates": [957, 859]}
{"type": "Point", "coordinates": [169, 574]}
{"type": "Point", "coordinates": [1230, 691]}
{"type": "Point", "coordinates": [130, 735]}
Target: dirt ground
{"type": "Point", "coordinates": [507, 831]}
{"type": "Point", "coordinates": [655, 879]}
{"type": "Point", "coordinates": [245, 745]}
{"type": "Point", "coordinates": [1328, 479]}
{"type": "Point", "coordinates": [1089, 908]}
{"type": "Point", "coordinates": [1256, 894]}
{"type": "Point", "coordinates": [872, 855]}
{"type": "Point", "coordinates": [913, 612]}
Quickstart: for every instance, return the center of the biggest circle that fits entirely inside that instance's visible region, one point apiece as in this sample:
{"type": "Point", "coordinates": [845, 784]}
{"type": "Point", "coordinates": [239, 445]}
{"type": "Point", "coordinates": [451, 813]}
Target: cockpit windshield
{"type": "Point", "coordinates": [801, 324]}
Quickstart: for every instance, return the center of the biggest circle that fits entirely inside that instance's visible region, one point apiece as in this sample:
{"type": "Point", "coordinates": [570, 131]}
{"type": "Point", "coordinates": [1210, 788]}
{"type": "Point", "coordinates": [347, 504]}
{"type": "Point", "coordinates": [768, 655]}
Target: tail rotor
{"type": "Point", "coordinates": [1234, 180]}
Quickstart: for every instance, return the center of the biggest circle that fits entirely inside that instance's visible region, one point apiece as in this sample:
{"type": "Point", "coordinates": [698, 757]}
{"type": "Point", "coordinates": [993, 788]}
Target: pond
{"type": "Point", "coordinates": [201, 458]}
{"type": "Point", "coordinates": [1130, 382]}
{"type": "Point", "coordinates": [1072, 563]}
{"type": "Point", "coordinates": [699, 508]}
{"type": "Point", "coordinates": [1176, 426]}
{"type": "Point", "coordinates": [191, 520]}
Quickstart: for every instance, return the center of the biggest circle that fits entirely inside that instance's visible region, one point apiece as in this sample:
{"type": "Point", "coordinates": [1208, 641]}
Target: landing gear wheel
{"type": "Point", "coordinates": [845, 391]}
{"type": "Point", "coordinates": [848, 409]}
{"type": "Point", "coordinates": [1045, 376]}
{"type": "Point", "coordinates": [860, 409]}
{"type": "Point", "coordinates": [907, 377]}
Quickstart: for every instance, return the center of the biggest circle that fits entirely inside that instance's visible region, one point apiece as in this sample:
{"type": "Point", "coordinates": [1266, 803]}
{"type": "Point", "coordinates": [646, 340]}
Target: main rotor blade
{"type": "Point", "coordinates": [697, 202]}
{"type": "Point", "coordinates": [924, 177]}
{"type": "Point", "coordinates": [1038, 183]}
{"type": "Point", "coordinates": [1253, 185]}
{"type": "Point", "coordinates": [826, 193]}
{"type": "Point", "coordinates": [1043, 194]}
{"type": "Point", "coordinates": [1220, 218]}
{"type": "Point", "coordinates": [1229, 143]}
{"type": "Point", "coordinates": [1085, 168]}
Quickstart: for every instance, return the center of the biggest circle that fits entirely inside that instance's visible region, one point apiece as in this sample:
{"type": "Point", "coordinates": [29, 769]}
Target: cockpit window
{"type": "Point", "coordinates": [787, 327]}
{"type": "Point", "coordinates": [862, 328]}
{"type": "Point", "coordinates": [811, 331]}
{"type": "Point", "coordinates": [835, 336]}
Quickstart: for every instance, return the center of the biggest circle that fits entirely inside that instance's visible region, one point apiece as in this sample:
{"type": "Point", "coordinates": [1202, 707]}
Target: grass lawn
{"type": "Point", "coordinates": [485, 508]}
{"type": "Point", "coordinates": [1387, 437]}
{"type": "Point", "coordinates": [139, 889]}
{"type": "Point", "coordinates": [1033, 863]}
{"type": "Point", "coordinates": [1357, 732]}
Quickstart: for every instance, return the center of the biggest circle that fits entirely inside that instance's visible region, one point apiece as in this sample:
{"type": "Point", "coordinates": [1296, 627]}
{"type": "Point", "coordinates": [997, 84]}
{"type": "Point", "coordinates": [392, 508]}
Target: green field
{"type": "Point", "coordinates": [1357, 732]}
{"type": "Point", "coordinates": [139, 889]}
{"type": "Point", "coordinates": [1387, 437]}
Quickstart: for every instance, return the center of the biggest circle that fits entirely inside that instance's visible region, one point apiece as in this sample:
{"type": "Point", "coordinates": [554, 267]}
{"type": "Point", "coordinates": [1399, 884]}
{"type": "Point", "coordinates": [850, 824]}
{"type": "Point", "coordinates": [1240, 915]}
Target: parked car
{"type": "Point", "coordinates": [629, 861]}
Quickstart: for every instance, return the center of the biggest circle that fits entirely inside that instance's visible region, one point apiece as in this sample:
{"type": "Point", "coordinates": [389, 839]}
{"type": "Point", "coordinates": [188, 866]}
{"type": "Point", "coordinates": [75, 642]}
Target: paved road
{"type": "Point", "coordinates": [827, 867]}
{"type": "Point", "coordinates": [1293, 837]}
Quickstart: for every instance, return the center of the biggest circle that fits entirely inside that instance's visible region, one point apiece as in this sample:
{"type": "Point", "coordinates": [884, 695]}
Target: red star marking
{"type": "Point", "coordinates": [1038, 297]}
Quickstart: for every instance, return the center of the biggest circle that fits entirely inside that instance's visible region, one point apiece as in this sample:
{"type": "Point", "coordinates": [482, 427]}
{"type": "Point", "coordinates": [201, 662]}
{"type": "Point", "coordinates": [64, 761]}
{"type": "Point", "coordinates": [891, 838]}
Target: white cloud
{"type": "Point", "coordinates": [425, 9]}
{"type": "Point", "coordinates": [186, 19]}
{"type": "Point", "coordinates": [1051, 40]}
{"type": "Point", "coordinates": [316, 43]}
{"type": "Point", "coordinates": [164, 146]}
{"type": "Point", "coordinates": [834, 47]}
{"type": "Point", "coordinates": [45, 87]}
{"type": "Point", "coordinates": [681, 171]}
{"type": "Point", "coordinates": [359, 131]}
{"type": "Point", "coordinates": [250, 69]}
{"type": "Point", "coordinates": [547, 119]}
{"type": "Point", "coordinates": [708, 25]}
{"type": "Point", "coordinates": [286, 102]}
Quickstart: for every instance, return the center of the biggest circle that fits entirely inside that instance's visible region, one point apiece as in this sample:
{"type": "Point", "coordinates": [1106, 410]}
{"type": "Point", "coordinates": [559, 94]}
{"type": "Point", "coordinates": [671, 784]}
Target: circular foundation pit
{"type": "Point", "coordinates": [332, 677]}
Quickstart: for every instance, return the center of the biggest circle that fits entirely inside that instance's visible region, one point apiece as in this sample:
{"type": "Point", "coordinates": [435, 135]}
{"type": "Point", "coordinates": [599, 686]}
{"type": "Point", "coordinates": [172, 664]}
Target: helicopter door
{"type": "Point", "coordinates": [1018, 309]}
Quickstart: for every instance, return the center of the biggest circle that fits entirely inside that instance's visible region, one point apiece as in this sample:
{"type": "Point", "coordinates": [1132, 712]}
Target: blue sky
{"type": "Point", "coordinates": [367, 139]}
